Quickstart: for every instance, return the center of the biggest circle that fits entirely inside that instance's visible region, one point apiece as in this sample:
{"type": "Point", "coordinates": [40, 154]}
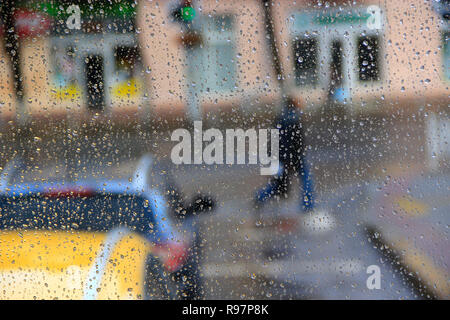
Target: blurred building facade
{"type": "Point", "coordinates": [91, 69]}
{"type": "Point", "coordinates": [130, 59]}
{"type": "Point", "coordinates": [391, 52]}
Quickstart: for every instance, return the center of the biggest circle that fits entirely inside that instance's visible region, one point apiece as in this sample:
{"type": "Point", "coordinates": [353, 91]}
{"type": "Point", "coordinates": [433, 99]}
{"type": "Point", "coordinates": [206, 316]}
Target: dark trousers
{"type": "Point", "coordinates": [280, 184]}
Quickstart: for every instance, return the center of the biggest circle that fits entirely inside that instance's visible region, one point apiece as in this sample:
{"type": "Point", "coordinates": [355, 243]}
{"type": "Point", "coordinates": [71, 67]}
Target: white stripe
{"type": "Point", "coordinates": [141, 173]}
{"type": "Point", "coordinates": [217, 270]}
{"type": "Point", "coordinates": [97, 270]}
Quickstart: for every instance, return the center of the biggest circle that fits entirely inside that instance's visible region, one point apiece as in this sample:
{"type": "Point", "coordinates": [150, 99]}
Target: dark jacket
{"type": "Point", "coordinates": [291, 136]}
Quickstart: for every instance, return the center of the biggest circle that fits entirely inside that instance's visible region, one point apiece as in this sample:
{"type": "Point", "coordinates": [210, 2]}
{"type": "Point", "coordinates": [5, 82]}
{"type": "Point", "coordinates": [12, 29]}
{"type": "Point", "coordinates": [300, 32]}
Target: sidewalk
{"type": "Point", "coordinates": [298, 255]}
{"type": "Point", "coordinates": [411, 215]}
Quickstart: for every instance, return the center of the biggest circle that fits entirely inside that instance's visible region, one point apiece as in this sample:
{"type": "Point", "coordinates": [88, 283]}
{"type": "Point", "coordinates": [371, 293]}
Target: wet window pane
{"type": "Point", "coordinates": [224, 149]}
{"type": "Point", "coordinates": [368, 59]}
{"type": "Point", "coordinates": [446, 41]}
{"type": "Point", "coordinates": [212, 65]}
{"type": "Point", "coordinates": [306, 72]}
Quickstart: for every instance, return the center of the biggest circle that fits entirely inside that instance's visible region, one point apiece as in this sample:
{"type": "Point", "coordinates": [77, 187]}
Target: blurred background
{"type": "Point", "coordinates": [88, 87]}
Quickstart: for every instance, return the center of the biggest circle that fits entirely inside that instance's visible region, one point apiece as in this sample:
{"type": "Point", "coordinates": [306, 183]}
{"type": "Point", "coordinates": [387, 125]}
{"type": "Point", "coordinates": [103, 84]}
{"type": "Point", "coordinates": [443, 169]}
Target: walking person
{"type": "Point", "coordinates": [292, 160]}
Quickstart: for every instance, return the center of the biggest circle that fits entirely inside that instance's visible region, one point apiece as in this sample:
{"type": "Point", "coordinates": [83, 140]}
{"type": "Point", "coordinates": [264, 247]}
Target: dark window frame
{"type": "Point", "coordinates": [309, 68]}
{"type": "Point", "coordinates": [372, 71]}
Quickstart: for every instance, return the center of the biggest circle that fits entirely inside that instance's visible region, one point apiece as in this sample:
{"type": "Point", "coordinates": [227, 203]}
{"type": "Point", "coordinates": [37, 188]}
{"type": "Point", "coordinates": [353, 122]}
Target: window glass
{"type": "Point", "coordinates": [306, 55]}
{"type": "Point", "coordinates": [127, 72]}
{"type": "Point", "coordinates": [368, 58]}
{"type": "Point", "coordinates": [65, 85]}
{"type": "Point", "coordinates": [215, 57]}
{"type": "Point", "coordinates": [446, 54]}
{"type": "Point", "coordinates": [224, 149]}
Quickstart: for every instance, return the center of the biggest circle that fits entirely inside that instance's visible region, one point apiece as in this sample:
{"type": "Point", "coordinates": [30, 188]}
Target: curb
{"type": "Point", "coordinates": [411, 273]}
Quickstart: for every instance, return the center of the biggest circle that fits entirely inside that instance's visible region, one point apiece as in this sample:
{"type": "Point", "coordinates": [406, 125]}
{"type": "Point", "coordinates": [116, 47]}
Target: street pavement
{"type": "Point", "coordinates": [290, 254]}
{"type": "Point", "coordinates": [398, 223]}
{"type": "Point", "coordinates": [411, 213]}
{"type": "Point", "coordinates": [369, 213]}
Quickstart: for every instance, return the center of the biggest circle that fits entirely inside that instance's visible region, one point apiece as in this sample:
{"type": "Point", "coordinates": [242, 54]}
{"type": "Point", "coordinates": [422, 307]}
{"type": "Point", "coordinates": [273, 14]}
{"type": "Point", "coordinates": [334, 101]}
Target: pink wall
{"type": "Point", "coordinates": [411, 60]}
{"type": "Point", "coordinates": [410, 57]}
{"type": "Point", "coordinates": [165, 56]}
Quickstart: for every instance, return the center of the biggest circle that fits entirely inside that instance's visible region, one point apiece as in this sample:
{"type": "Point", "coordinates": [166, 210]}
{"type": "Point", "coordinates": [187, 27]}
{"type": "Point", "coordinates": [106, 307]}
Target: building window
{"type": "Point", "coordinates": [212, 65]}
{"type": "Point", "coordinates": [446, 54]}
{"type": "Point", "coordinates": [305, 53]}
{"type": "Point", "coordinates": [127, 72]}
{"type": "Point", "coordinates": [368, 58]}
{"type": "Point", "coordinates": [64, 85]}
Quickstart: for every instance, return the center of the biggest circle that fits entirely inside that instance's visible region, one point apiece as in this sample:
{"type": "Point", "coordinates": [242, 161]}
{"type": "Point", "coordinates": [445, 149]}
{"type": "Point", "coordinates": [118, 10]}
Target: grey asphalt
{"type": "Point", "coordinates": [307, 261]}
{"type": "Point", "coordinates": [279, 252]}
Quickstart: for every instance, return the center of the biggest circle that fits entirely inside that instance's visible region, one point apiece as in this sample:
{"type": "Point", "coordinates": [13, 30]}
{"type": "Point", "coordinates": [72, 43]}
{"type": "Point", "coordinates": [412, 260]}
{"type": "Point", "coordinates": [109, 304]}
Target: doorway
{"type": "Point", "coordinates": [95, 82]}
{"type": "Point", "coordinates": [336, 70]}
